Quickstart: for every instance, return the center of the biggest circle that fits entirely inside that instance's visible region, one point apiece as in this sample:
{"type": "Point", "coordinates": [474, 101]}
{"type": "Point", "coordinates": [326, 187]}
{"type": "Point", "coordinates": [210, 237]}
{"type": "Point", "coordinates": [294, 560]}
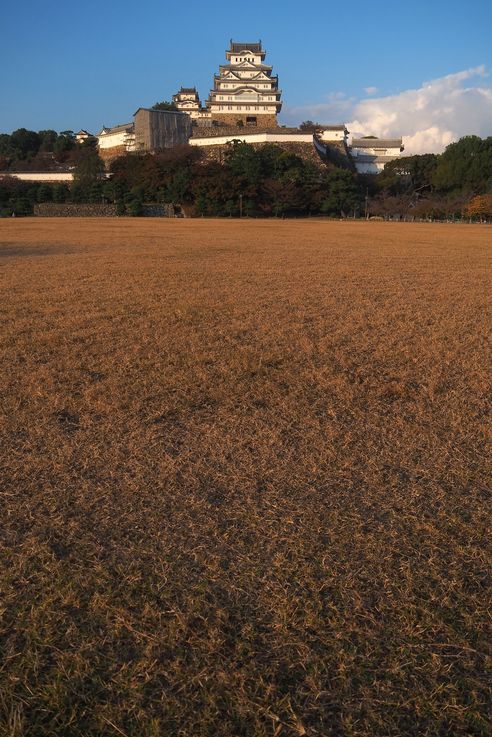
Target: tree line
{"type": "Point", "coordinates": [265, 181]}
{"type": "Point", "coordinates": [46, 150]}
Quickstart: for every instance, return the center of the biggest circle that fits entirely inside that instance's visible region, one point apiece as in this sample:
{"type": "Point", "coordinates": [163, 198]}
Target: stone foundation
{"type": "Point", "coordinates": [74, 210]}
{"type": "Point", "coordinates": [230, 120]}
{"type": "Point", "coordinates": [108, 154]}
{"type": "Point", "coordinates": [305, 151]}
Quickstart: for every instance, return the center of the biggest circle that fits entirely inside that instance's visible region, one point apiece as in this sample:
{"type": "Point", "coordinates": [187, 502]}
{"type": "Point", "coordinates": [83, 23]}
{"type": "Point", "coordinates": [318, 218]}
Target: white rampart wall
{"type": "Point", "coordinates": [50, 177]}
{"type": "Point", "coordinates": [44, 176]}
{"type": "Point", "coordinates": [253, 138]}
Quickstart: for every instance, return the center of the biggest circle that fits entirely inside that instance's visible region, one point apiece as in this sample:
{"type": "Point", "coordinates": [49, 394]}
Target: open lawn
{"type": "Point", "coordinates": [245, 478]}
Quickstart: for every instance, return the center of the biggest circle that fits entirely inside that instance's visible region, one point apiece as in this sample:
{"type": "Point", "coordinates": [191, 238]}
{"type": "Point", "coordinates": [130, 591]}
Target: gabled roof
{"type": "Point", "coordinates": [248, 47]}
{"type": "Point", "coordinates": [116, 129]}
{"type": "Point", "coordinates": [228, 73]}
{"type": "Point", "coordinates": [188, 90]}
{"type": "Point", "coordinates": [246, 65]}
{"type": "Point", "coordinates": [377, 142]}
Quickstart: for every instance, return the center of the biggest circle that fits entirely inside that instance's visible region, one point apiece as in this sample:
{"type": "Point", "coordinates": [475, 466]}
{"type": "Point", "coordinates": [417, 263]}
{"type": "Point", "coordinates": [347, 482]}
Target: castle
{"type": "Point", "coordinates": [245, 93]}
{"type": "Point", "coordinates": [243, 104]}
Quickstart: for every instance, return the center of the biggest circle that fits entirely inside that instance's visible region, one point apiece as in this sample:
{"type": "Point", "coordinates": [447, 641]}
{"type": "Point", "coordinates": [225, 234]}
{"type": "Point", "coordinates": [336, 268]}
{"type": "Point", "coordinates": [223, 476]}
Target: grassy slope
{"type": "Point", "coordinates": [245, 479]}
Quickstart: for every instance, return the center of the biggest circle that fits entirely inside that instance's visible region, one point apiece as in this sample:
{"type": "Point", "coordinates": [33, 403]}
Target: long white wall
{"type": "Point", "coordinates": [51, 177]}
{"type": "Point", "coordinates": [35, 176]}
{"type": "Point", "coordinates": [253, 138]}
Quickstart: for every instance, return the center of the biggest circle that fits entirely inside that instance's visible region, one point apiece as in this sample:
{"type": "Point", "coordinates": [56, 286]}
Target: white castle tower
{"type": "Point", "coordinates": [245, 90]}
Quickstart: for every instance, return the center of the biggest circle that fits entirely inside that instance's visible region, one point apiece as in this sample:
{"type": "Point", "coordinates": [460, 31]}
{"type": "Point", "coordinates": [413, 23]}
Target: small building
{"type": "Point", "coordinates": [188, 101]}
{"type": "Point", "coordinates": [116, 141]}
{"type": "Point", "coordinates": [371, 154]}
{"type": "Point", "coordinates": [333, 133]}
{"type": "Point", "coordinates": [82, 136]}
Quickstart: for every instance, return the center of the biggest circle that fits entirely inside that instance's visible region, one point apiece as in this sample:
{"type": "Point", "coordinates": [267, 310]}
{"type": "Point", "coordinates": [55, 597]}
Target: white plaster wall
{"type": "Point", "coordinates": [251, 108]}
{"type": "Point", "coordinates": [48, 176]}
{"type": "Point", "coordinates": [51, 177]}
{"type": "Point", "coordinates": [368, 168]}
{"type": "Point", "coordinates": [253, 138]}
{"type": "Point", "coordinates": [110, 140]}
{"type": "Point", "coordinates": [327, 135]}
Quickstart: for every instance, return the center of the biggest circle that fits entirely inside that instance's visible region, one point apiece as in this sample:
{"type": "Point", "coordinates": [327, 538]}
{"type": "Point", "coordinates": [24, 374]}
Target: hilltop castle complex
{"type": "Point", "coordinates": [243, 104]}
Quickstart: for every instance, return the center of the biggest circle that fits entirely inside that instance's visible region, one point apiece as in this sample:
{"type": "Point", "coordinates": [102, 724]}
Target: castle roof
{"type": "Point", "coordinates": [377, 143]}
{"type": "Point", "coordinates": [245, 67]}
{"type": "Point", "coordinates": [116, 128]}
{"type": "Point", "coordinates": [188, 90]}
{"type": "Point", "coordinates": [238, 48]}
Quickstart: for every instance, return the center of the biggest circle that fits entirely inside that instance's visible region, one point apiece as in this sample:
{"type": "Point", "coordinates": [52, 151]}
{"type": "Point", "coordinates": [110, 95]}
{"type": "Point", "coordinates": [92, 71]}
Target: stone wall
{"type": "Point", "coordinates": [108, 154]}
{"type": "Point", "coordinates": [305, 151]}
{"type": "Point", "coordinates": [262, 120]}
{"type": "Point", "coordinates": [71, 210]}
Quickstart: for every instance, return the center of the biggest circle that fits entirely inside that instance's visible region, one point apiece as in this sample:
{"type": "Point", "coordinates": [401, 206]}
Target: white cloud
{"type": "Point", "coordinates": [429, 117]}
{"type": "Point", "coordinates": [370, 90]}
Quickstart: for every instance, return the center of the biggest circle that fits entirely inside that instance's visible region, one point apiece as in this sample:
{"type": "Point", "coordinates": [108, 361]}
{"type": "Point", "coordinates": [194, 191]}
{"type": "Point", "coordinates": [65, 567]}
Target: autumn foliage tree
{"type": "Point", "coordinates": [480, 207]}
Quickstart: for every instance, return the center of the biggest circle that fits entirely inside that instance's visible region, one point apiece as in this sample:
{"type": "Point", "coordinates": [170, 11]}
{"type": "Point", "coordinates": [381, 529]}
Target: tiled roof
{"type": "Point", "coordinates": [117, 128]}
{"type": "Point", "coordinates": [377, 143]}
{"type": "Point", "coordinates": [237, 48]}
{"type": "Point", "coordinates": [245, 67]}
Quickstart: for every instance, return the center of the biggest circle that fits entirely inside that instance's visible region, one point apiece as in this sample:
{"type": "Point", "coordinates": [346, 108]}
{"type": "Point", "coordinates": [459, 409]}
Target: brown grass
{"type": "Point", "coordinates": [245, 479]}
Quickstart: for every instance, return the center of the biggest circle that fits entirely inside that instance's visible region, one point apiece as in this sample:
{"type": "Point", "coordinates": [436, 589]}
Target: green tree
{"type": "Point", "coordinates": [341, 193]}
{"type": "Point", "coordinates": [45, 193]}
{"type": "Point", "coordinates": [25, 143]}
{"type": "Point", "coordinates": [465, 166]}
{"type": "Point", "coordinates": [48, 139]}
{"type": "Point", "coordinates": [90, 169]}
{"type": "Point", "coordinates": [164, 105]}
{"type": "Point", "coordinates": [64, 142]}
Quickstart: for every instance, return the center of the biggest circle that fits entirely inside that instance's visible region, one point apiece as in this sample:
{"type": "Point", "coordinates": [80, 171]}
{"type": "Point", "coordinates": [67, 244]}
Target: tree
{"type": "Point", "coordinates": [48, 140]}
{"type": "Point", "coordinates": [465, 166]}
{"type": "Point", "coordinates": [164, 105]}
{"type": "Point", "coordinates": [409, 173]}
{"type": "Point", "coordinates": [479, 207]}
{"type": "Point", "coordinates": [64, 142]}
{"type": "Point", "coordinates": [25, 143]}
{"type": "Point", "coordinates": [341, 193]}
{"type": "Point", "coordinates": [88, 172]}
{"type": "Point", "coordinates": [281, 197]}
{"type": "Point", "coordinates": [309, 126]}
{"type": "Point", "coordinates": [45, 193]}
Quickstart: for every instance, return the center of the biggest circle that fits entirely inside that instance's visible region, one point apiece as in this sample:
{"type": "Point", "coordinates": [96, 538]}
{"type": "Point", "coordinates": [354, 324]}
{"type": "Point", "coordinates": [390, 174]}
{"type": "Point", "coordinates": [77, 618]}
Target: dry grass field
{"type": "Point", "coordinates": [245, 485]}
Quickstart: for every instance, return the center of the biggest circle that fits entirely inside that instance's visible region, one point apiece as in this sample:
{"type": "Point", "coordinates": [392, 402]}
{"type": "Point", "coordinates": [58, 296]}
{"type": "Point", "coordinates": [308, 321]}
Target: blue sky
{"type": "Point", "coordinates": [84, 65]}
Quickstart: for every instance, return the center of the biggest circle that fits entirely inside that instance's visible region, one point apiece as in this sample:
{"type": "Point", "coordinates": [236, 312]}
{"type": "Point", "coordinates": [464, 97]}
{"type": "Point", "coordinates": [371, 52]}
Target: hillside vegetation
{"type": "Point", "coordinates": [246, 485]}
{"type": "Point", "coordinates": [258, 182]}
